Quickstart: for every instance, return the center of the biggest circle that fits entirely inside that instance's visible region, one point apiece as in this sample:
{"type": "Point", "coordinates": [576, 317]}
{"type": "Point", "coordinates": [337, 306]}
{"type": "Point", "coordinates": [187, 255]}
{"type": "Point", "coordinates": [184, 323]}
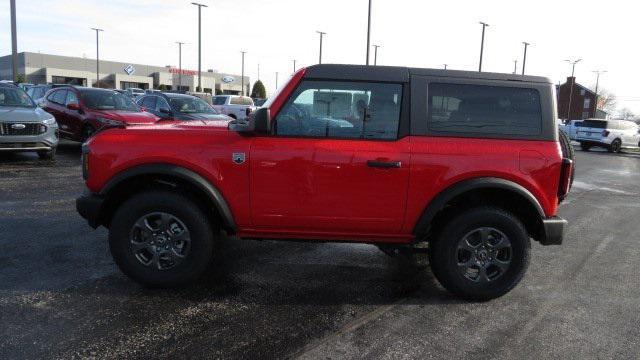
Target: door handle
{"type": "Point", "coordinates": [384, 164]}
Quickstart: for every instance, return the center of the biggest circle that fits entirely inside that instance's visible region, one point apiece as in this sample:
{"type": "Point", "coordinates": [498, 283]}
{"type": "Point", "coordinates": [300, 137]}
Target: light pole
{"type": "Point", "coordinates": [375, 54]}
{"type": "Point", "coordinates": [97, 56]}
{"type": "Point", "coordinates": [179, 64]}
{"type": "Point", "coordinates": [320, 56]}
{"type": "Point", "coordinates": [573, 81]}
{"type": "Point", "coordinates": [598, 72]}
{"type": "Point", "coordinates": [242, 75]}
{"type": "Point", "coordinates": [445, 66]}
{"type": "Point", "coordinates": [369, 32]}
{"type": "Point", "coordinates": [515, 66]}
{"type": "Point", "coordinates": [524, 59]}
{"type": "Point", "coordinates": [484, 25]}
{"type": "Point", "coordinates": [258, 71]}
{"type": "Point", "coordinates": [14, 43]}
{"type": "Point", "coordinates": [294, 65]}
{"type": "Point", "coordinates": [276, 80]}
{"type": "Point", "coordinates": [200, 6]}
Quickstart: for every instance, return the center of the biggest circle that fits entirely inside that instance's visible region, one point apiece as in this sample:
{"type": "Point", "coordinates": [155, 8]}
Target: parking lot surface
{"type": "Point", "coordinates": [61, 295]}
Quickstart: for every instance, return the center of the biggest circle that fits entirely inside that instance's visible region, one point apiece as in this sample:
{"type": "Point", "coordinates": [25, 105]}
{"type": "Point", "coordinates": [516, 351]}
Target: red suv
{"type": "Point", "coordinates": [81, 111]}
{"type": "Point", "coordinates": [469, 163]}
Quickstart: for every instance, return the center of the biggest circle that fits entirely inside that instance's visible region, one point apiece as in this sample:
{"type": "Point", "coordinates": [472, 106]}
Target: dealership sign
{"type": "Point", "coordinates": [182, 71]}
{"type": "Point", "coordinates": [129, 69]}
{"type": "Point", "coordinates": [228, 79]}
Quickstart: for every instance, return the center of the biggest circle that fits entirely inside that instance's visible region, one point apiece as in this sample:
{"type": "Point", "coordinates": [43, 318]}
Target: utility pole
{"type": "Point", "coordinates": [276, 80]}
{"type": "Point", "coordinates": [445, 66]}
{"type": "Point", "coordinates": [200, 6]}
{"type": "Point", "coordinates": [242, 76]}
{"type": "Point", "coordinates": [294, 65]}
{"type": "Point", "coordinates": [321, 35]}
{"type": "Point", "coordinates": [97, 55]}
{"type": "Point", "coordinates": [524, 59]}
{"type": "Point", "coordinates": [179, 64]}
{"type": "Point", "coordinates": [573, 82]}
{"type": "Point", "coordinates": [258, 71]}
{"type": "Point", "coordinates": [369, 32]}
{"type": "Point", "coordinates": [375, 54]}
{"type": "Point", "coordinates": [598, 72]}
{"type": "Point", "coordinates": [484, 25]}
{"type": "Point", "coordinates": [14, 43]}
{"type": "Point", "coordinates": [515, 66]}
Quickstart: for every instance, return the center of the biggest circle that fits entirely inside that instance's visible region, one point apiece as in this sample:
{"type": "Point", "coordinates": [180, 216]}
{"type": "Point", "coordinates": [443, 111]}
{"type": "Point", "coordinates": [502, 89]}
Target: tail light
{"type": "Point", "coordinates": [565, 178]}
{"type": "Point", "coordinates": [605, 133]}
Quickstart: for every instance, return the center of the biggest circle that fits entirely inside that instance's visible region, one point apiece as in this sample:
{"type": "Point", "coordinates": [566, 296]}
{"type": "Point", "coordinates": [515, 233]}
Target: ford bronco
{"type": "Point", "coordinates": [470, 164]}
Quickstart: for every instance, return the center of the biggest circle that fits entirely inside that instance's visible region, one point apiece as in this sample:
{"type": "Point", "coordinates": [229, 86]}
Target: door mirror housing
{"type": "Point", "coordinates": [165, 111]}
{"type": "Point", "coordinates": [73, 106]}
{"type": "Point", "coordinates": [259, 123]}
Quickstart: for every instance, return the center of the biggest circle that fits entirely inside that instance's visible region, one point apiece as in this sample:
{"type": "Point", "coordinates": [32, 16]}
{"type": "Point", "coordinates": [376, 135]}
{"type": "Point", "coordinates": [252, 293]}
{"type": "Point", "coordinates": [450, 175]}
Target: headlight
{"type": "Point", "coordinates": [110, 122]}
{"type": "Point", "coordinates": [50, 121]}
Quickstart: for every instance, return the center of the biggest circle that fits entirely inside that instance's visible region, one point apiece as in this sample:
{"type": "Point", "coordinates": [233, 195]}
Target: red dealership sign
{"type": "Point", "coordinates": [183, 71]}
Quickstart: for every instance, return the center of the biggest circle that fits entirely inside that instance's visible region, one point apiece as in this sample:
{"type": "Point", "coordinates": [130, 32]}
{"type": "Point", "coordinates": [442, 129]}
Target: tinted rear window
{"type": "Point", "coordinates": [482, 109]}
{"type": "Point", "coordinates": [598, 124]}
{"type": "Point", "coordinates": [219, 100]}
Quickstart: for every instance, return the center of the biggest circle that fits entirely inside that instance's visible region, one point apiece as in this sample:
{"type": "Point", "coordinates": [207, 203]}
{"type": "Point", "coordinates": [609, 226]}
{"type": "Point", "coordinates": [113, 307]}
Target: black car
{"type": "Point", "coordinates": [176, 106]}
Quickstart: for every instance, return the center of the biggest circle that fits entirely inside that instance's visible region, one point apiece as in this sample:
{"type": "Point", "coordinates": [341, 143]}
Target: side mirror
{"type": "Point", "coordinates": [259, 123]}
{"type": "Point", "coordinates": [248, 111]}
{"type": "Point", "coordinates": [165, 111]}
{"type": "Point", "coordinates": [73, 106]}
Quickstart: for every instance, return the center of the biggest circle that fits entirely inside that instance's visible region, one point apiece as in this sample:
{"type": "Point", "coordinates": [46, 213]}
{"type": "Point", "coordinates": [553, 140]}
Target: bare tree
{"type": "Point", "coordinates": [607, 101]}
{"type": "Point", "coordinates": [626, 114]}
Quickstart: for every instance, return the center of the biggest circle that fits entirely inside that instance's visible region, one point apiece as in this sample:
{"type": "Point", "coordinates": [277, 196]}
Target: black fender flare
{"type": "Point", "coordinates": [440, 201]}
{"type": "Point", "coordinates": [213, 194]}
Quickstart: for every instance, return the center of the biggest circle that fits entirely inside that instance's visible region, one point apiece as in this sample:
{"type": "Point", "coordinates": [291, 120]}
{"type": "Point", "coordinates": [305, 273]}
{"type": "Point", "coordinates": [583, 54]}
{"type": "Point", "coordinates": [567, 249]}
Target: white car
{"type": "Point", "coordinates": [235, 106]}
{"type": "Point", "coordinates": [613, 135]}
{"type": "Point", "coordinates": [570, 128]}
{"type": "Point", "coordinates": [135, 92]}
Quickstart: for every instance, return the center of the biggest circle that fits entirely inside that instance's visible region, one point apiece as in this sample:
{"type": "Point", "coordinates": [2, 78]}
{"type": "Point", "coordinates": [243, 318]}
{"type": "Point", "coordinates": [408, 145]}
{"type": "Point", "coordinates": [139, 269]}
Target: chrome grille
{"type": "Point", "coordinates": [29, 129]}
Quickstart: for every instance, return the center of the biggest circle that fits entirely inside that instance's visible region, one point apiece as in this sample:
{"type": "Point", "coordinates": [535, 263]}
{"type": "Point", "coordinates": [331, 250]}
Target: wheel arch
{"type": "Point", "coordinates": [482, 192]}
{"type": "Point", "coordinates": [144, 177]}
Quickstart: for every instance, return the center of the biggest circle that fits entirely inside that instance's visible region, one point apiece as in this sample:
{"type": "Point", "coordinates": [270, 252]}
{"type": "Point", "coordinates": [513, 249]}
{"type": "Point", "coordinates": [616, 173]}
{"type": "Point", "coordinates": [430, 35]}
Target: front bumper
{"type": "Point", "coordinates": [42, 142]}
{"type": "Point", "coordinates": [89, 206]}
{"type": "Point", "coordinates": [554, 229]}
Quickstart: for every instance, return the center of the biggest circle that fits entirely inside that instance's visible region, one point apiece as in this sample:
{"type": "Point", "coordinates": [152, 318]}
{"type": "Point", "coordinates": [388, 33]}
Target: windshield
{"type": "Point", "coordinates": [191, 105]}
{"type": "Point", "coordinates": [10, 96]}
{"type": "Point", "coordinates": [108, 100]}
{"type": "Point", "coordinates": [219, 100]}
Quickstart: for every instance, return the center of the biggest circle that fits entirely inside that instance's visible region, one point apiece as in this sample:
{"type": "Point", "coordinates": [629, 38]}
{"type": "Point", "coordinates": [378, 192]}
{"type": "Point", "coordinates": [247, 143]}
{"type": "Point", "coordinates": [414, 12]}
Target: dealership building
{"type": "Point", "coordinates": [37, 68]}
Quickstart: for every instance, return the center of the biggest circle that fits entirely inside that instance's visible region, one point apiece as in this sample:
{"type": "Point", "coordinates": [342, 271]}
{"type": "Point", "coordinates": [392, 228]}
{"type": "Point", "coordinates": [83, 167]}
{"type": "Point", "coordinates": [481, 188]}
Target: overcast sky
{"type": "Point", "coordinates": [411, 32]}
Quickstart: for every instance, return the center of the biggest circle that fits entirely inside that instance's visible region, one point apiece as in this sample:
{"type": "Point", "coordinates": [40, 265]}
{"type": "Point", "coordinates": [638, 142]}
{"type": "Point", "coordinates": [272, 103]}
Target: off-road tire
{"type": "Point", "coordinates": [201, 231]}
{"type": "Point", "coordinates": [444, 261]}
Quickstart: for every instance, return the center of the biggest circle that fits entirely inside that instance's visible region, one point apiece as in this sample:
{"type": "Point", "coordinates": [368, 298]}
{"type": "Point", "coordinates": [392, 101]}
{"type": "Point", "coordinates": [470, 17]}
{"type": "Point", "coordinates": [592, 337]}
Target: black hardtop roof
{"type": "Point", "coordinates": [402, 74]}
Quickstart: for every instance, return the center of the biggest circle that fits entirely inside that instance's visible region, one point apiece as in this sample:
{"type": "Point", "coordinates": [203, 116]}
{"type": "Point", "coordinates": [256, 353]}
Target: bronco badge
{"type": "Point", "coordinates": [238, 158]}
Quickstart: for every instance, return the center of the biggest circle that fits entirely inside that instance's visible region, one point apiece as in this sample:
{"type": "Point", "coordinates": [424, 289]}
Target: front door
{"type": "Point", "coordinates": [335, 163]}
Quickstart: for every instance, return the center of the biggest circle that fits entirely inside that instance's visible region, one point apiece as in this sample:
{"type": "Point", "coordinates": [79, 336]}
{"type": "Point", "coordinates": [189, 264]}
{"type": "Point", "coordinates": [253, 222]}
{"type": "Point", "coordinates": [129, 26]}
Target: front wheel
{"type": "Point", "coordinates": [161, 239]}
{"type": "Point", "coordinates": [615, 146]}
{"type": "Point", "coordinates": [585, 146]}
{"type": "Point", "coordinates": [481, 254]}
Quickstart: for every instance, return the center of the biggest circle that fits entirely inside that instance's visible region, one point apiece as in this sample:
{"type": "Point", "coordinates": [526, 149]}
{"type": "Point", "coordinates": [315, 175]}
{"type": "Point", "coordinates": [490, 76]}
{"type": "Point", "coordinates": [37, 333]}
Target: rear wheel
{"type": "Point", "coordinates": [161, 239]}
{"type": "Point", "coordinates": [585, 146]}
{"type": "Point", "coordinates": [481, 254]}
{"type": "Point", "coordinates": [616, 146]}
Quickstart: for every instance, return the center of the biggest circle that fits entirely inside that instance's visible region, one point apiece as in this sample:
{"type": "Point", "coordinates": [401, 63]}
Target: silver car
{"type": "Point", "coordinates": [24, 126]}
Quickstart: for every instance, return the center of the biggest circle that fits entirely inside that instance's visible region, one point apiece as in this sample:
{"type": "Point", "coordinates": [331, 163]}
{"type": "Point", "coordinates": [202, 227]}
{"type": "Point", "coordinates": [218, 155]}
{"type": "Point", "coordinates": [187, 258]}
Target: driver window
{"type": "Point", "coordinates": [350, 110]}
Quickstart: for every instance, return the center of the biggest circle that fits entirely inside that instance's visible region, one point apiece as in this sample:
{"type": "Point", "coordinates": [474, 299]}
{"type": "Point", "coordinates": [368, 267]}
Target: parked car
{"type": "Point", "coordinates": [37, 92]}
{"type": "Point", "coordinates": [613, 135]}
{"type": "Point", "coordinates": [467, 162]}
{"type": "Point", "coordinates": [24, 126]}
{"type": "Point", "coordinates": [135, 92]}
{"type": "Point", "coordinates": [81, 111]}
{"type": "Point", "coordinates": [570, 128]}
{"type": "Point", "coordinates": [237, 107]}
{"type": "Point", "coordinates": [178, 107]}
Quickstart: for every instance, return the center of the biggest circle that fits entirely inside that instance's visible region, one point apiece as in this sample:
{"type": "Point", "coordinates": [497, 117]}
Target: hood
{"type": "Point", "coordinates": [219, 117]}
{"type": "Point", "coordinates": [21, 114]}
{"type": "Point", "coordinates": [128, 117]}
{"type": "Point", "coordinates": [222, 123]}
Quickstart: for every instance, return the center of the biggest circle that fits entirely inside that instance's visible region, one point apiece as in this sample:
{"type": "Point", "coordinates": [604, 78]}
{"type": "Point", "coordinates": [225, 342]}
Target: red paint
{"type": "Point", "coordinates": [305, 188]}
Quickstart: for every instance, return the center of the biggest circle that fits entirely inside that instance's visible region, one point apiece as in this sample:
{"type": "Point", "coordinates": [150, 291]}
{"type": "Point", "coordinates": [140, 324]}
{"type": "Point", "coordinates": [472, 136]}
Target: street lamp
{"type": "Point", "coordinates": [445, 66]}
{"type": "Point", "coordinates": [573, 82]}
{"type": "Point", "coordinates": [200, 6]}
{"type": "Point", "coordinates": [369, 32]}
{"type": "Point", "coordinates": [320, 56]}
{"type": "Point", "coordinates": [375, 54]}
{"type": "Point", "coordinates": [515, 66]}
{"type": "Point", "coordinates": [14, 43]}
{"type": "Point", "coordinates": [276, 80]}
{"type": "Point", "coordinates": [598, 72]}
{"type": "Point", "coordinates": [524, 59]}
{"type": "Point", "coordinates": [180, 43]}
{"type": "Point", "coordinates": [484, 25]}
{"type": "Point", "coordinates": [294, 65]}
{"type": "Point", "coordinates": [97, 56]}
{"type": "Point", "coordinates": [242, 76]}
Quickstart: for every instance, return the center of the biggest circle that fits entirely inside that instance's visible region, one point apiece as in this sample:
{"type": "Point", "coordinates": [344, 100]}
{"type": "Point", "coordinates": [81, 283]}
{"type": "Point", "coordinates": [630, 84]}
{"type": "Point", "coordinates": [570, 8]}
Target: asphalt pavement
{"type": "Point", "coordinates": [61, 295]}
